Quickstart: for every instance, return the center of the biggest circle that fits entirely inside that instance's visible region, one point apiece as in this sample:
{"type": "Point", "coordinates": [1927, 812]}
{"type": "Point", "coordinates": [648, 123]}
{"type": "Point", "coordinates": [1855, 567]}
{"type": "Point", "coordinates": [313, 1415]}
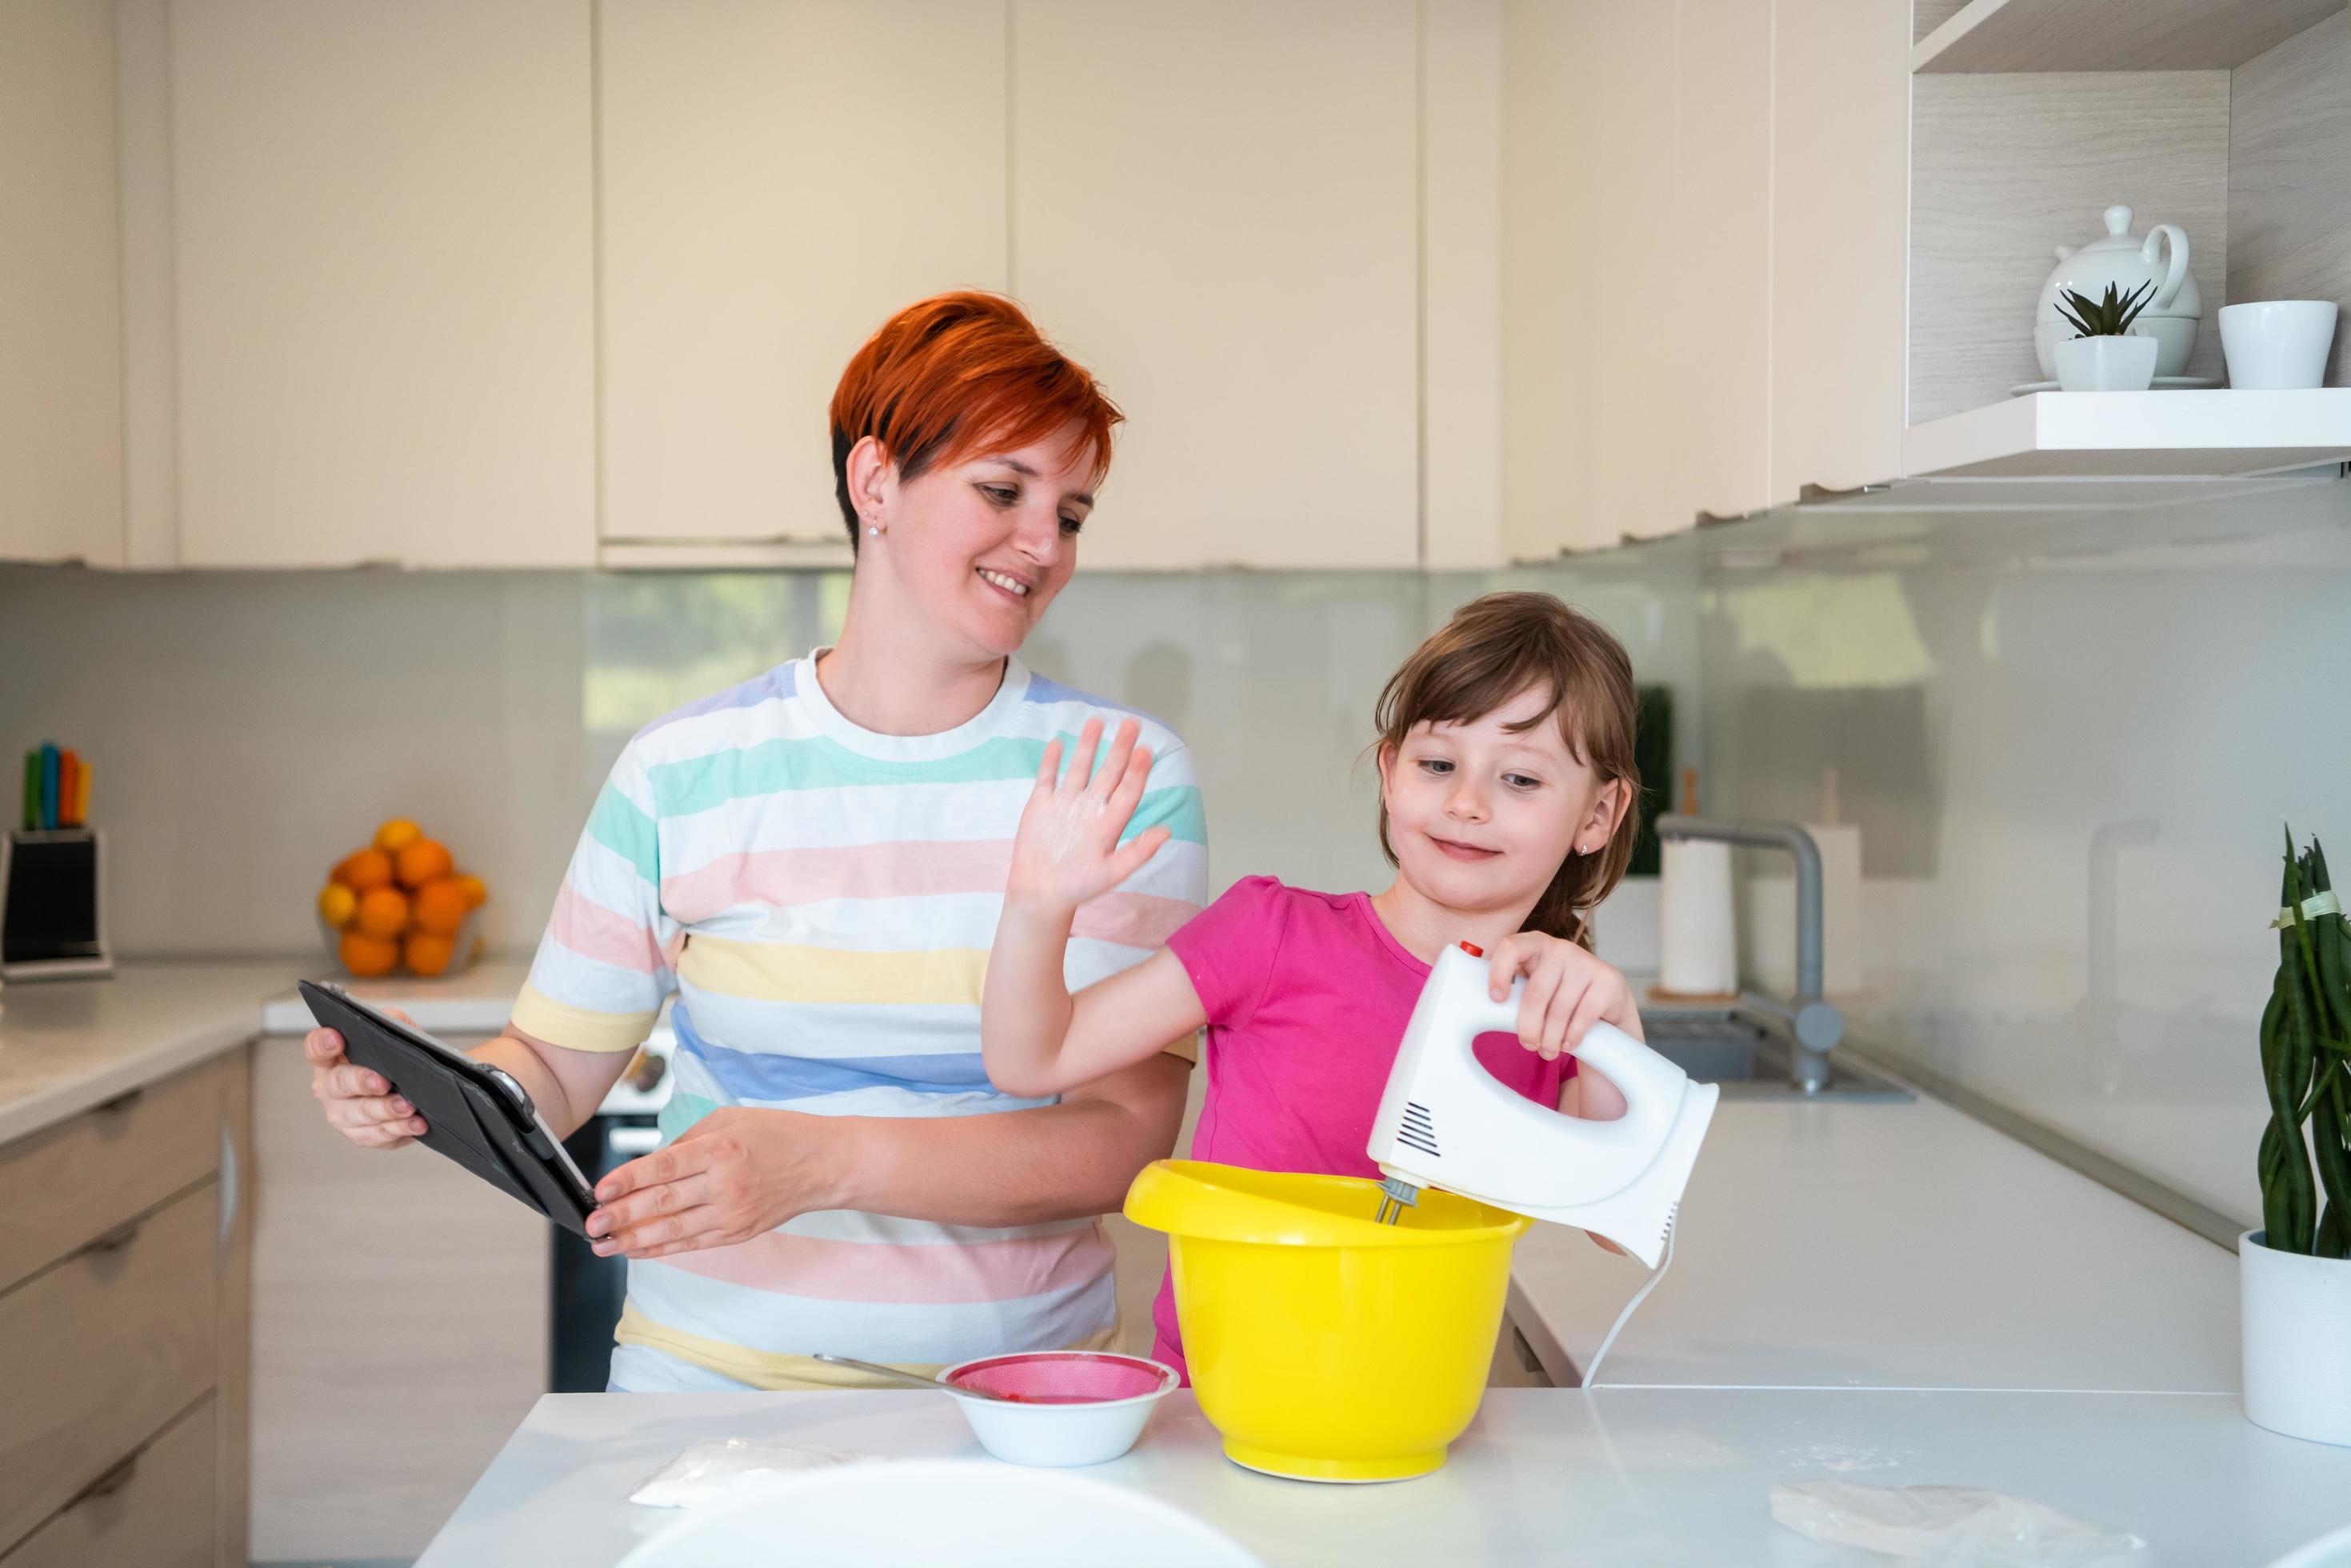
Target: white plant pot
{"type": "Point", "coordinates": [2297, 1341]}
{"type": "Point", "coordinates": [2175, 341]}
{"type": "Point", "coordinates": [2106, 365]}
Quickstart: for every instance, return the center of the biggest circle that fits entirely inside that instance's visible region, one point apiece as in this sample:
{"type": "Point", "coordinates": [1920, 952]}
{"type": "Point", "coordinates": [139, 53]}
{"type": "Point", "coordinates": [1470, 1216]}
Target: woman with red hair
{"type": "Point", "coordinates": [813, 863]}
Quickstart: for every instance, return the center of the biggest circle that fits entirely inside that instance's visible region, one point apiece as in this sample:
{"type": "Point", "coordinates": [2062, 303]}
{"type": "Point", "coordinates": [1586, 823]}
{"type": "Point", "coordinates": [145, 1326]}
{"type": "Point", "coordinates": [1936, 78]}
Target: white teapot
{"type": "Point", "coordinates": [2127, 262]}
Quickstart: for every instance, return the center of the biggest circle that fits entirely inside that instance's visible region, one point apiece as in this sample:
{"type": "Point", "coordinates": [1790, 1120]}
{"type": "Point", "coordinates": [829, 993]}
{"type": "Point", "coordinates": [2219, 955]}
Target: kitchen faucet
{"type": "Point", "coordinates": [1814, 1025]}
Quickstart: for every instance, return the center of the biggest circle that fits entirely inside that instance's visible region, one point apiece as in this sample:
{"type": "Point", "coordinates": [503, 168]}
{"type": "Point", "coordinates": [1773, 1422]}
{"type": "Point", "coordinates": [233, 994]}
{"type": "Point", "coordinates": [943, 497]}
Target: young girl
{"type": "Point", "coordinates": [1506, 790]}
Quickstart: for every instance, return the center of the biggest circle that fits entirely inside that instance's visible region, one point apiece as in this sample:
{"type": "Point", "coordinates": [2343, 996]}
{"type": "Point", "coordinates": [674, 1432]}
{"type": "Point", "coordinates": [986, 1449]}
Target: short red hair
{"type": "Point", "coordinates": [956, 373]}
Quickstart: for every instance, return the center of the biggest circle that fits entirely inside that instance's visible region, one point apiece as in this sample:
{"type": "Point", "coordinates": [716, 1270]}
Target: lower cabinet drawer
{"type": "Point", "coordinates": [152, 1511]}
{"type": "Point", "coordinates": [104, 1348]}
{"type": "Point", "coordinates": [80, 1179]}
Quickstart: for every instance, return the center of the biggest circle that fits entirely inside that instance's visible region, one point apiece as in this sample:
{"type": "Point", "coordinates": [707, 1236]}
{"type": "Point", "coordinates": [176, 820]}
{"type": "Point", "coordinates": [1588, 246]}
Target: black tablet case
{"type": "Point", "coordinates": [466, 1119]}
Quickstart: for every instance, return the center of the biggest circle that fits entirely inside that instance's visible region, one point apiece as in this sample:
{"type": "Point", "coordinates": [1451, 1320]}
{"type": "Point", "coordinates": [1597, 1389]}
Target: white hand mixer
{"type": "Point", "coordinates": [1446, 1122]}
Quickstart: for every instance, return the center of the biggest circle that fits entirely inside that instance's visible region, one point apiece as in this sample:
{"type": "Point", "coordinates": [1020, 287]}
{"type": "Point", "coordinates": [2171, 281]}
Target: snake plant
{"type": "Point", "coordinates": [2307, 1067]}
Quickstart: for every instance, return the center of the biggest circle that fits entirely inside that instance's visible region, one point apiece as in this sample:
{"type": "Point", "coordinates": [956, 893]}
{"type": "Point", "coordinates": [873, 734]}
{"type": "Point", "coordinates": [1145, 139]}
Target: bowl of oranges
{"type": "Point", "coordinates": [401, 905]}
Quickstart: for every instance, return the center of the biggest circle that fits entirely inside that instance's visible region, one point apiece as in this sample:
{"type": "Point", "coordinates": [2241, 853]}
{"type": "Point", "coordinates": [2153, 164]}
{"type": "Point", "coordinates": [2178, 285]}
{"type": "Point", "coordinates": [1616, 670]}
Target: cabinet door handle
{"type": "Point", "coordinates": [114, 1479]}
{"type": "Point", "coordinates": [120, 1103]}
{"type": "Point", "coordinates": [116, 1240]}
{"type": "Point", "coordinates": [232, 1193]}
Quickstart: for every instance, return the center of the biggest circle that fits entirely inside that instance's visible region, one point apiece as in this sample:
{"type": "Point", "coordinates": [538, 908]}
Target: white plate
{"type": "Point", "coordinates": [2162, 383]}
{"type": "Point", "coordinates": [926, 1512]}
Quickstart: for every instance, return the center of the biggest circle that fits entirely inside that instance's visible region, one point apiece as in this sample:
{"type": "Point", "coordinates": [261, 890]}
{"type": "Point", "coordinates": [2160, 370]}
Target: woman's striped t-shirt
{"type": "Point", "coordinates": [823, 899]}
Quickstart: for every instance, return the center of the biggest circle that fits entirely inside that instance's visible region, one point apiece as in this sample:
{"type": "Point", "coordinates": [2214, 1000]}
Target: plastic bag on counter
{"type": "Point", "coordinates": [722, 1469]}
{"type": "Point", "coordinates": [1951, 1527]}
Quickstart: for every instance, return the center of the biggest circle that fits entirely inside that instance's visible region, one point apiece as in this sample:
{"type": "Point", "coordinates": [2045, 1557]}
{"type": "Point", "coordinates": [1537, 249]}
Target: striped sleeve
{"type": "Point", "coordinates": [604, 966]}
{"type": "Point", "coordinates": [1135, 920]}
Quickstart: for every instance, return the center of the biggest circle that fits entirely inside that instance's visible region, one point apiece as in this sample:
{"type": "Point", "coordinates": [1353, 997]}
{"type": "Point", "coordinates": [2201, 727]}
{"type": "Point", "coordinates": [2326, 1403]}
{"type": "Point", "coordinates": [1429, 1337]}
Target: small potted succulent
{"type": "Point", "coordinates": [2294, 1273]}
{"type": "Point", "coordinates": [2105, 357]}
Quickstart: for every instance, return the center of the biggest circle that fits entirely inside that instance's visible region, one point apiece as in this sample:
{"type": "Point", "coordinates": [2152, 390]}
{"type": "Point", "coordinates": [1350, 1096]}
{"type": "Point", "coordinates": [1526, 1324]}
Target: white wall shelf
{"type": "Point", "coordinates": [2113, 35]}
{"type": "Point", "coordinates": [2216, 433]}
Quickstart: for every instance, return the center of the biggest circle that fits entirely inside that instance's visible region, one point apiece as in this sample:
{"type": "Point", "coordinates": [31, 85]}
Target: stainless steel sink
{"type": "Point", "coordinates": [1722, 1045]}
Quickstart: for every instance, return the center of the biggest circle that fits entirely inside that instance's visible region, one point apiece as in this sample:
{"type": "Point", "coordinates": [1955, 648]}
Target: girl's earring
{"type": "Point", "coordinates": [874, 530]}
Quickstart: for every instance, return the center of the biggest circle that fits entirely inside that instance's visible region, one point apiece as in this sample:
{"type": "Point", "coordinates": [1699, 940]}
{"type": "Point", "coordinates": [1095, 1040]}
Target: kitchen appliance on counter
{"type": "Point", "coordinates": [1330, 1339]}
{"type": "Point", "coordinates": [584, 1291]}
{"type": "Point", "coordinates": [1445, 1121]}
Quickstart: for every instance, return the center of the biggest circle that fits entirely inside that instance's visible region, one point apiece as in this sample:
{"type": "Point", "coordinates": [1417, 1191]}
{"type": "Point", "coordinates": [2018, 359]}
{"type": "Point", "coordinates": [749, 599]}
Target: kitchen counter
{"type": "Point", "coordinates": [1890, 1246]}
{"type": "Point", "coordinates": [1612, 1476]}
{"type": "Point", "coordinates": [476, 1002]}
{"type": "Point", "coordinates": [67, 1045]}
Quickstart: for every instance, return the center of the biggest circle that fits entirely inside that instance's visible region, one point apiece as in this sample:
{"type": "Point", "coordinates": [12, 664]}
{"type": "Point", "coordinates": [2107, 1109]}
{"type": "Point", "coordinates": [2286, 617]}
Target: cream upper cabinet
{"type": "Point", "coordinates": [1840, 213]}
{"type": "Point", "coordinates": [61, 327]}
{"type": "Point", "coordinates": [1703, 266]}
{"type": "Point", "coordinates": [384, 252]}
{"type": "Point", "coordinates": [1214, 206]}
{"type": "Point", "coordinates": [1636, 159]}
{"type": "Point", "coordinates": [776, 178]}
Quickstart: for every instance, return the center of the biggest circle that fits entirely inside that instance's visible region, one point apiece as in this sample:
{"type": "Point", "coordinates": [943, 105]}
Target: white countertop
{"type": "Point", "coordinates": [1615, 1476]}
{"type": "Point", "coordinates": [67, 1045]}
{"type": "Point", "coordinates": [479, 1001]}
{"type": "Point", "coordinates": [1891, 1245]}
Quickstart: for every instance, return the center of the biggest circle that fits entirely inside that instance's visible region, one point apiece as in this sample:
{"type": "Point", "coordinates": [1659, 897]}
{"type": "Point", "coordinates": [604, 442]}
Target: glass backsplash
{"type": "Point", "coordinates": [2070, 741]}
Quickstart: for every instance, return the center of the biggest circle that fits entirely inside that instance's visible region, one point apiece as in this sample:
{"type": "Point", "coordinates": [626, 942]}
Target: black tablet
{"type": "Point", "coordinates": [474, 1113]}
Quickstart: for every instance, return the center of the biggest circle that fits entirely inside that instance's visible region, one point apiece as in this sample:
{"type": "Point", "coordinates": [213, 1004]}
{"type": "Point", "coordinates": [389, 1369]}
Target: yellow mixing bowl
{"type": "Point", "coordinates": [1323, 1344]}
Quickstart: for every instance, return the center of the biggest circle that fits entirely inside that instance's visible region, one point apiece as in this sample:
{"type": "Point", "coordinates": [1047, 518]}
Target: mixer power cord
{"type": "Point", "coordinates": [1592, 1372]}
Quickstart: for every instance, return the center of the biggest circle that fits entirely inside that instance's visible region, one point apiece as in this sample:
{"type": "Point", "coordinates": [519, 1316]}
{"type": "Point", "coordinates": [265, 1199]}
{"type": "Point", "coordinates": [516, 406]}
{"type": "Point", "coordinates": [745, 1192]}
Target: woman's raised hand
{"type": "Point", "coordinates": [1067, 850]}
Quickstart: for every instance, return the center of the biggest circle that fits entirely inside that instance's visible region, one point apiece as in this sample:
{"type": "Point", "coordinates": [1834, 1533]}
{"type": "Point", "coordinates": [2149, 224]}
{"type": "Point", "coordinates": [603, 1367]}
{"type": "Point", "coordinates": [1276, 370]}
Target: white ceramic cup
{"type": "Point", "coordinates": [2277, 343]}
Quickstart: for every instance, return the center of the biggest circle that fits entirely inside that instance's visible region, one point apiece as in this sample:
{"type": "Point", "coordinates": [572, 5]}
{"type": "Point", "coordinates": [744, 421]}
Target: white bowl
{"type": "Point", "coordinates": [1059, 1435]}
{"type": "Point", "coordinates": [926, 1512]}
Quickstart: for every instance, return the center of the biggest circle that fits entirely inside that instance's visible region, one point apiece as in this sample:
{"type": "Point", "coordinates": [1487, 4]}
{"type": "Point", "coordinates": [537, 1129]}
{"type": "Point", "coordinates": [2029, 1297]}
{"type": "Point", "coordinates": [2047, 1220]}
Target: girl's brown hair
{"type": "Point", "coordinates": [1494, 649]}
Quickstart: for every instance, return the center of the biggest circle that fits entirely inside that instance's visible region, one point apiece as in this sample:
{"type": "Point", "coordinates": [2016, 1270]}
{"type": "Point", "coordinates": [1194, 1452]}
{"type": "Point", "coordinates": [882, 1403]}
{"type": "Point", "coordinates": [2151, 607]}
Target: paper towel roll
{"type": "Point", "coordinates": [1697, 947]}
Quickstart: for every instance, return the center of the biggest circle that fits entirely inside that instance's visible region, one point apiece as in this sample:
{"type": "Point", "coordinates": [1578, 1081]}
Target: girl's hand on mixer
{"type": "Point", "coordinates": [1067, 850]}
{"type": "Point", "coordinates": [1567, 990]}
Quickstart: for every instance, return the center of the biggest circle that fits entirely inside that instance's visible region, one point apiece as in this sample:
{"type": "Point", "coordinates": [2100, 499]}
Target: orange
{"type": "Point", "coordinates": [439, 907]}
{"type": "Point", "coordinates": [397, 835]}
{"type": "Point", "coordinates": [383, 911]}
{"type": "Point", "coordinates": [364, 870]}
{"type": "Point", "coordinates": [367, 956]}
{"type": "Point", "coordinates": [337, 904]}
{"type": "Point", "coordinates": [427, 952]}
{"type": "Point", "coordinates": [476, 893]}
{"type": "Point", "coordinates": [422, 862]}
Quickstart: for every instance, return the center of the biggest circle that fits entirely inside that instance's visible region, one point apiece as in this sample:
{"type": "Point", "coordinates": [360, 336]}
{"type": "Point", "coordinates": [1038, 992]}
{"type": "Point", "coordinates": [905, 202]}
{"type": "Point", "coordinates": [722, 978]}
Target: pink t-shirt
{"type": "Point", "coordinates": [1307, 996]}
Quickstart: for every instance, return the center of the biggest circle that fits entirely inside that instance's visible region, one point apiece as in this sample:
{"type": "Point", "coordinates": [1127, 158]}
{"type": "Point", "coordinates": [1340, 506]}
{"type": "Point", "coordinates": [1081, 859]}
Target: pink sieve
{"type": "Point", "coordinates": [1064, 1377]}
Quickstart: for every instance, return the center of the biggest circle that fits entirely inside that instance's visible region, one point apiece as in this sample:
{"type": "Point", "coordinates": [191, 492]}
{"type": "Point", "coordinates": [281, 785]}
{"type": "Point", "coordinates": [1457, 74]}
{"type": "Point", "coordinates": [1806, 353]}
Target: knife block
{"type": "Point", "coordinates": [52, 924]}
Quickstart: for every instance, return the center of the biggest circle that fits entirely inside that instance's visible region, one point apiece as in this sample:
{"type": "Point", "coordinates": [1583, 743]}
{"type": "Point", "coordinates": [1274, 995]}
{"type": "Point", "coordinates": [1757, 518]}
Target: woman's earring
{"type": "Point", "coordinates": [874, 530]}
